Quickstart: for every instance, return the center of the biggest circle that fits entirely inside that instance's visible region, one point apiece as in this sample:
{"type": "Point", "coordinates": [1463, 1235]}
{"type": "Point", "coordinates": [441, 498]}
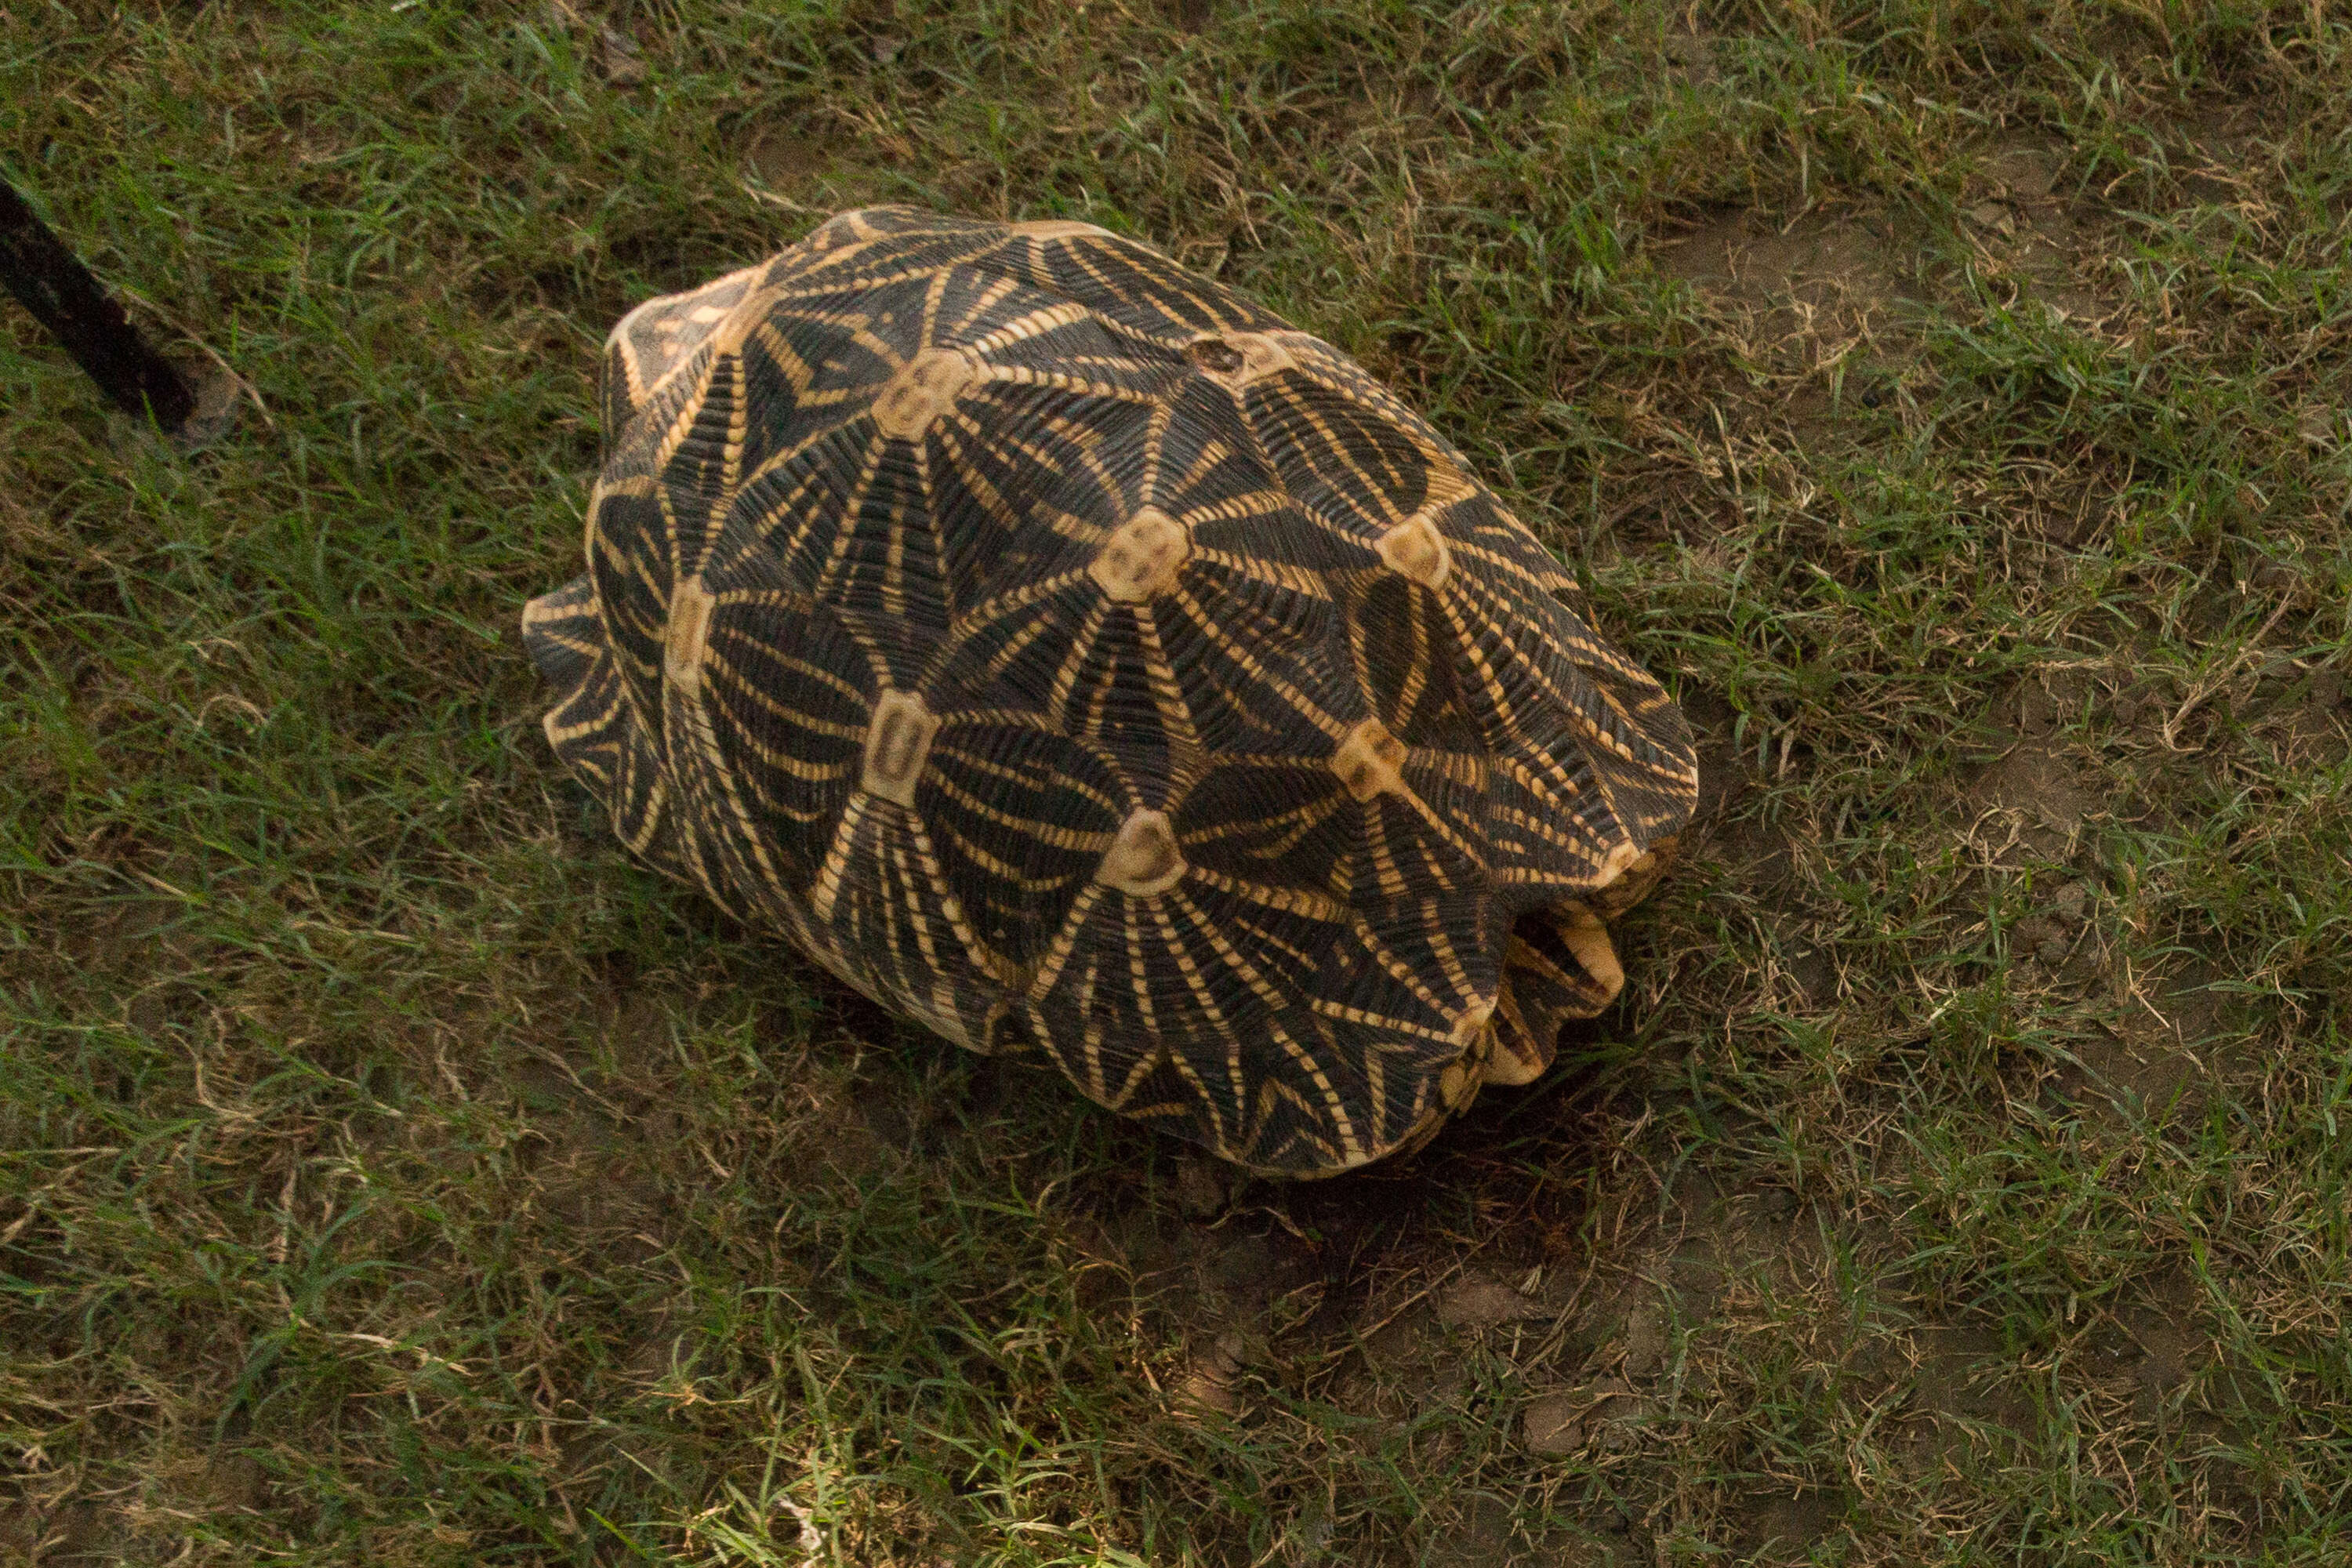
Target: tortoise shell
{"type": "Point", "coordinates": [1068, 653]}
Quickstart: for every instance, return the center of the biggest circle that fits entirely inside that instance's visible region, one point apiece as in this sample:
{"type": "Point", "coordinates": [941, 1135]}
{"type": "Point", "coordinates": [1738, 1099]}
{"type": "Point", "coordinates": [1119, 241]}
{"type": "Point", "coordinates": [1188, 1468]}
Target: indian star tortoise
{"type": "Point", "coordinates": [1067, 652]}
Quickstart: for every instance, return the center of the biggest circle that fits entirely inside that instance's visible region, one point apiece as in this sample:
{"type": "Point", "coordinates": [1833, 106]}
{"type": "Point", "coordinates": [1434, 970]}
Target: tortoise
{"type": "Point", "coordinates": [1072, 655]}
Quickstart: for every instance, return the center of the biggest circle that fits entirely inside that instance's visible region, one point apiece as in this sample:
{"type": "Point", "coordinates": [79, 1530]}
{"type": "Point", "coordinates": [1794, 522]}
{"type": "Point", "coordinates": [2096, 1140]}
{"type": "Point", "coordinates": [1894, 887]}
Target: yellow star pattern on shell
{"type": "Point", "coordinates": [1062, 649]}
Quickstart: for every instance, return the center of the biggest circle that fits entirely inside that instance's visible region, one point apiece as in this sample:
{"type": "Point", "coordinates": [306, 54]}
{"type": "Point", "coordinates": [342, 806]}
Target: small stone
{"type": "Point", "coordinates": [1608, 1412]}
{"type": "Point", "coordinates": [2142, 702]}
{"type": "Point", "coordinates": [2271, 577]}
{"type": "Point", "coordinates": [620, 54]}
{"type": "Point", "coordinates": [1480, 1300]}
{"type": "Point", "coordinates": [2025, 172]}
{"type": "Point", "coordinates": [1210, 1385]}
{"type": "Point", "coordinates": [2070, 900]}
{"type": "Point", "coordinates": [1200, 1189]}
{"type": "Point", "coordinates": [783, 159]}
{"type": "Point", "coordinates": [1992, 215]}
{"type": "Point", "coordinates": [886, 50]}
{"type": "Point", "coordinates": [1309, 1534]}
{"type": "Point", "coordinates": [2037, 711]}
{"type": "Point", "coordinates": [1555, 1424]}
{"type": "Point", "coordinates": [1646, 1340]}
{"type": "Point", "coordinates": [1693, 58]}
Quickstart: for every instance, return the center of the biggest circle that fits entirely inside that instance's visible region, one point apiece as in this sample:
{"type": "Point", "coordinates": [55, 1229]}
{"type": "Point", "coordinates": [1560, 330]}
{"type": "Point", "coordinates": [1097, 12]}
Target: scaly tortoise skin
{"type": "Point", "coordinates": [1057, 646]}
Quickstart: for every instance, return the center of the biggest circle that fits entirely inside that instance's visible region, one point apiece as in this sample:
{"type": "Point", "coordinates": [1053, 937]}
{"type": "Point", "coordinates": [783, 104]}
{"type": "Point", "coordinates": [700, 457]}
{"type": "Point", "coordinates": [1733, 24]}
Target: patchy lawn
{"type": "Point", "coordinates": [1949, 400]}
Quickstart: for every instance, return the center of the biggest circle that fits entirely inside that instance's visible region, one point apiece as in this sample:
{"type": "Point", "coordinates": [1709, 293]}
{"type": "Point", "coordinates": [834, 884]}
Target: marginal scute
{"type": "Point", "coordinates": [654, 340]}
{"type": "Point", "coordinates": [1472, 1029]}
{"type": "Point", "coordinates": [1141, 557]}
{"type": "Point", "coordinates": [1509, 1069]}
{"type": "Point", "coordinates": [1588, 938]}
{"type": "Point", "coordinates": [1057, 228]}
{"type": "Point", "coordinates": [1457, 1086]}
{"type": "Point", "coordinates": [689, 631]}
{"type": "Point", "coordinates": [924, 388]}
{"type": "Point", "coordinates": [841, 229]}
{"type": "Point", "coordinates": [1143, 857]}
{"type": "Point", "coordinates": [1618, 861]}
{"type": "Point", "coordinates": [1631, 885]}
{"type": "Point", "coordinates": [897, 741]}
{"type": "Point", "coordinates": [1369, 760]}
{"type": "Point", "coordinates": [1415, 549]}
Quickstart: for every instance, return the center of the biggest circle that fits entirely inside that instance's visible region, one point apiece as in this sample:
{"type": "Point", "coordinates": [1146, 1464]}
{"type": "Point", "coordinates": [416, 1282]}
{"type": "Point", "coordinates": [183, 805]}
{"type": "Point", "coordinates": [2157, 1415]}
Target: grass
{"type": "Point", "coordinates": [1949, 399]}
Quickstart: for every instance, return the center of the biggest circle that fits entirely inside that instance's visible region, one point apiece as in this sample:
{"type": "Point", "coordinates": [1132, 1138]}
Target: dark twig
{"type": "Point", "coordinates": [62, 294]}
